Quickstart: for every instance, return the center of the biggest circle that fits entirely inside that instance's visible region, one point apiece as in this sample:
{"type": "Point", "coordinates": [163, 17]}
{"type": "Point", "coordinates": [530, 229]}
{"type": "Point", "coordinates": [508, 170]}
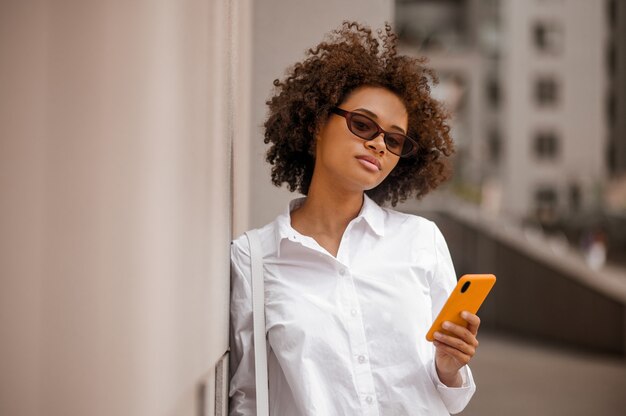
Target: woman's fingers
{"type": "Point", "coordinates": [473, 321]}
{"type": "Point", "coordinates": [461, 332]}
{"type": "Point", "coordinates": [458, 344]}
{"type": "Point", "coordinates": [459, 337]}
{"type": "Point", "coordinates": [459, 356]}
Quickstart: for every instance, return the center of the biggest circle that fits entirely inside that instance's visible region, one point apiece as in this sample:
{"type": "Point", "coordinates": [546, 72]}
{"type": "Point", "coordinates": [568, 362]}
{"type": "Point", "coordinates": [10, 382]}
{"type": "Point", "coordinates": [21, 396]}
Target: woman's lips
{"type": "Point", "coordinates": [369, 164]}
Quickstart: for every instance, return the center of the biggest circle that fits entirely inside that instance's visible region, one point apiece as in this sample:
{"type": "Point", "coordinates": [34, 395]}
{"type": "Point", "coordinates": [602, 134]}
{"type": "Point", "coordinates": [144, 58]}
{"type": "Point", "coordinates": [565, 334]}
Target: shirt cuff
{"type": "Point", "coordinates": [455, 398]}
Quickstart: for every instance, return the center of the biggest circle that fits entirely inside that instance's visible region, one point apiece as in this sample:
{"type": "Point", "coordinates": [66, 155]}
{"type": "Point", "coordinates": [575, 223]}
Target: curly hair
{"type": "Point", "coordinates": [351, 57]}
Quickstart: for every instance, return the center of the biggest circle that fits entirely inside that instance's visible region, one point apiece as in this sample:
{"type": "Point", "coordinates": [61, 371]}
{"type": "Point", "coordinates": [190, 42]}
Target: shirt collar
{"type": "Point", "coordinates": [371, 212]}
{"type": "Point", "coordinates": [374, 215]}
{"type": "Point", "coordinates": [284, 229]}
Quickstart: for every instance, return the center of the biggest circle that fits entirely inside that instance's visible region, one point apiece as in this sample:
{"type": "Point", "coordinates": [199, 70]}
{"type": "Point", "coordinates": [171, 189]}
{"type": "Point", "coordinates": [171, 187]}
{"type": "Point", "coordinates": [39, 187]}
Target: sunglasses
{"type": "Point", "coordinates": [367, 129]}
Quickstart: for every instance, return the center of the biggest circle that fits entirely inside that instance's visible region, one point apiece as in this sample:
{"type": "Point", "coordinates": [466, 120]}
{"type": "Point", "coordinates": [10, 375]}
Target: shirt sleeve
{"type": "Point", "coordinates": [242, 391]}
{"type": "Point", "coordinates": [442, 284]}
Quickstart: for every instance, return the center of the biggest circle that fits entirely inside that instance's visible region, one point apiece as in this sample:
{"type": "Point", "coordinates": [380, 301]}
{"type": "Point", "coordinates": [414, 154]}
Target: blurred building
{"type": "Point", "coordinates": [616, 99]}
{"type": "Point", "coordinates": [553, 75]}
{"type": "Point", "coordinates": [531, 125]}
{"type": "Point", "coordinates": [449, 34]}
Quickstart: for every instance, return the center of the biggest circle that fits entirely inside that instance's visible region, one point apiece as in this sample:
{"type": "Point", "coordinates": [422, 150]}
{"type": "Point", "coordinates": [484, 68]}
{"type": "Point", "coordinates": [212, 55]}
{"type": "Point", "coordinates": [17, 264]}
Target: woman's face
{"type": "Point", "coordinates": [342, 158]}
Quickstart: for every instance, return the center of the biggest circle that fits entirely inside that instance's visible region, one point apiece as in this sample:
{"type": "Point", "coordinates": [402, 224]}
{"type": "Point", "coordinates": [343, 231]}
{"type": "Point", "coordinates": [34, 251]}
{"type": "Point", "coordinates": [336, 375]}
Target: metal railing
{"type": "Point", "coordinates": [544, 289]}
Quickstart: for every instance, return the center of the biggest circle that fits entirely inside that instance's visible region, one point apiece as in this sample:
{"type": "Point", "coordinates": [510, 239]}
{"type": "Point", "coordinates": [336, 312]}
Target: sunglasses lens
{"type": "Point", "coordinates": [397, 143]}
{"type": "Point", "coordinates": [367, 129]}
{"type": "Point", "coordinates": [363, 127]}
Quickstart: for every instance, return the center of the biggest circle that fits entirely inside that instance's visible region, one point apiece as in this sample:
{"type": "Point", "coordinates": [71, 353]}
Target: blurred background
{"type": "Point", "coordinates": [131, 153]}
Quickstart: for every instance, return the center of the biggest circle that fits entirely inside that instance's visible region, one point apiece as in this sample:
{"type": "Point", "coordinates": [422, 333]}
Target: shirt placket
{"type": "Point", "coordinates": [358, 343]}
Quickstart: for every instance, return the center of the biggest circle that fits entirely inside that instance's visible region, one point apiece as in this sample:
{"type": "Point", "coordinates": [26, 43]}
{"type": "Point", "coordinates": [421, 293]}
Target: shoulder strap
{"type": "Point", "coordinates": [258, 316]}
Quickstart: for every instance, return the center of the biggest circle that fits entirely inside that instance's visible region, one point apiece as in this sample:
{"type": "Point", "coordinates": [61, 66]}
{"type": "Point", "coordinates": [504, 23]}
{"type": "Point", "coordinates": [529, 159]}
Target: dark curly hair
{"type": "Point", "coordinates": [347, 59]}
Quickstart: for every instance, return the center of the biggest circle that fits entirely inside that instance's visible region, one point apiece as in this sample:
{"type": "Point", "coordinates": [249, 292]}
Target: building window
{"type": "Point", "coordinates": [612, 13]}
{"type": "Point", "coordinates": [493, 92]}
{"type": "Point", "coordinates": [494, 145]}
{"type": "Point", "coordinates": [611, 58]}
{"type": "Point", "coordinates": [575, 197]}
{"type": "Point", "coordinates": [546, 90]}
{"type": "Point", "coordinates": [545, 204]}
{"type": "Point", "coordinates": [611, 157]}
{"type": "Point", "coordinates": [611, 109]}
{"type": "Point", "coordinates": [435, 25]}
{"type": "Point", "coordinates": [546, 145]}
{"type": "Point", "coordinates": [548, 37]}
{"type": "Point", "coordinates": [546, 196]}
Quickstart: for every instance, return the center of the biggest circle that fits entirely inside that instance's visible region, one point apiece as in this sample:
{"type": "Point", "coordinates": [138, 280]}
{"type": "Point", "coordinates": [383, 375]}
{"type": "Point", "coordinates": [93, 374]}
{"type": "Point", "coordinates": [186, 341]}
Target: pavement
{"type": "Point", "coordinates": [520, 377]}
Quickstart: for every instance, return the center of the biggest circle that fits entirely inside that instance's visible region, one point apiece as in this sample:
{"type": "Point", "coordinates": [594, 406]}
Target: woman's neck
{"type": "Point", "coordinates": [327, 211]}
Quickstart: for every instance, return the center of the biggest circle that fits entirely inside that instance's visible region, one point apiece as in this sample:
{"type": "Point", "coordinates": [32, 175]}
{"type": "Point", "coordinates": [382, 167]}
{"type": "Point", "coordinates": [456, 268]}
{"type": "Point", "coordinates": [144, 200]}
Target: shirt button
{"type": "Point", "coordinates": [369, 399]}
{"type": "Point", "coordinates": [361, 359]}
{"type": "Point", "coordinates": [353, 312]}
{"type": "Point", "coordinates": [342, 271]}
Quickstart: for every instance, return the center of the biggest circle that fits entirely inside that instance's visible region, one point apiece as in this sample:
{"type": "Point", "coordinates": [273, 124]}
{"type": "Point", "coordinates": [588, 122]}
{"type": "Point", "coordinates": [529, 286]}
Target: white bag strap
{"type": "Point", "coordinates": [258, 317]}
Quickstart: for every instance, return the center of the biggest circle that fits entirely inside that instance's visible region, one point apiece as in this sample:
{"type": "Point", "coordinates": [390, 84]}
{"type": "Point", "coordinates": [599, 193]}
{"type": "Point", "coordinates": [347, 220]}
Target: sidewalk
{"type": "Point", "coordinates": [517, 377]}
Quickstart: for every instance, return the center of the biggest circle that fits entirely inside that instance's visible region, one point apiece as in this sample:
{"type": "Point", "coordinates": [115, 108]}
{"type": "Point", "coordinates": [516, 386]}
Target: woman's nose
{"type": "Point", "coordinates": [377, 144]}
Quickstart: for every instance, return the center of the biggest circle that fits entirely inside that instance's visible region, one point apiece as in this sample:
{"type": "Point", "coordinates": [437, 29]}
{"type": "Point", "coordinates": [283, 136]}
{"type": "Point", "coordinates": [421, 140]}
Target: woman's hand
{"type": "Point", "coordinates": [455, 350]}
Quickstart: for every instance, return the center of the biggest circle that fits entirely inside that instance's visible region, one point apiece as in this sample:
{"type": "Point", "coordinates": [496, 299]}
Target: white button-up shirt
{"type": "Point", "coordinates": [346, 334]}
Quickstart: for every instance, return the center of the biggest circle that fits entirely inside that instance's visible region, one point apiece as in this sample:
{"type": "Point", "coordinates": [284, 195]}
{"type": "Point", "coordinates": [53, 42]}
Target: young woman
{"type": "Point", "coordinates": [351, 288]}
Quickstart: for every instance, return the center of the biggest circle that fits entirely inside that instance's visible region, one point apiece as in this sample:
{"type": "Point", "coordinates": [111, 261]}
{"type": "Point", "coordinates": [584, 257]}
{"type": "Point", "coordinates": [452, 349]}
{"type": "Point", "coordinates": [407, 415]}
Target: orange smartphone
{"type": "Point", "coordinates": [469, 293]}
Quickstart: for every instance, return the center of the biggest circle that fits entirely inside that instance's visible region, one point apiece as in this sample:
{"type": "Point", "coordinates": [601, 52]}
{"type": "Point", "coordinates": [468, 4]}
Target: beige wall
{"type": "Point", "coordinates": [283, 30]}
{"type": "Point", "coordinates": [130, 147]}
{"type": "Point", "coordinates": [22, 214]}
{"type": "Point", "coordinates": [115, 133]}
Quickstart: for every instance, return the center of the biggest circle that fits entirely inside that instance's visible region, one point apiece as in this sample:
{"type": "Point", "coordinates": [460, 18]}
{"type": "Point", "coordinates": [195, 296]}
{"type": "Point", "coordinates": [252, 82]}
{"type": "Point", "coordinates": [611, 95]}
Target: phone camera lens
{"type": "Point", "coordinates": [465, 286]}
